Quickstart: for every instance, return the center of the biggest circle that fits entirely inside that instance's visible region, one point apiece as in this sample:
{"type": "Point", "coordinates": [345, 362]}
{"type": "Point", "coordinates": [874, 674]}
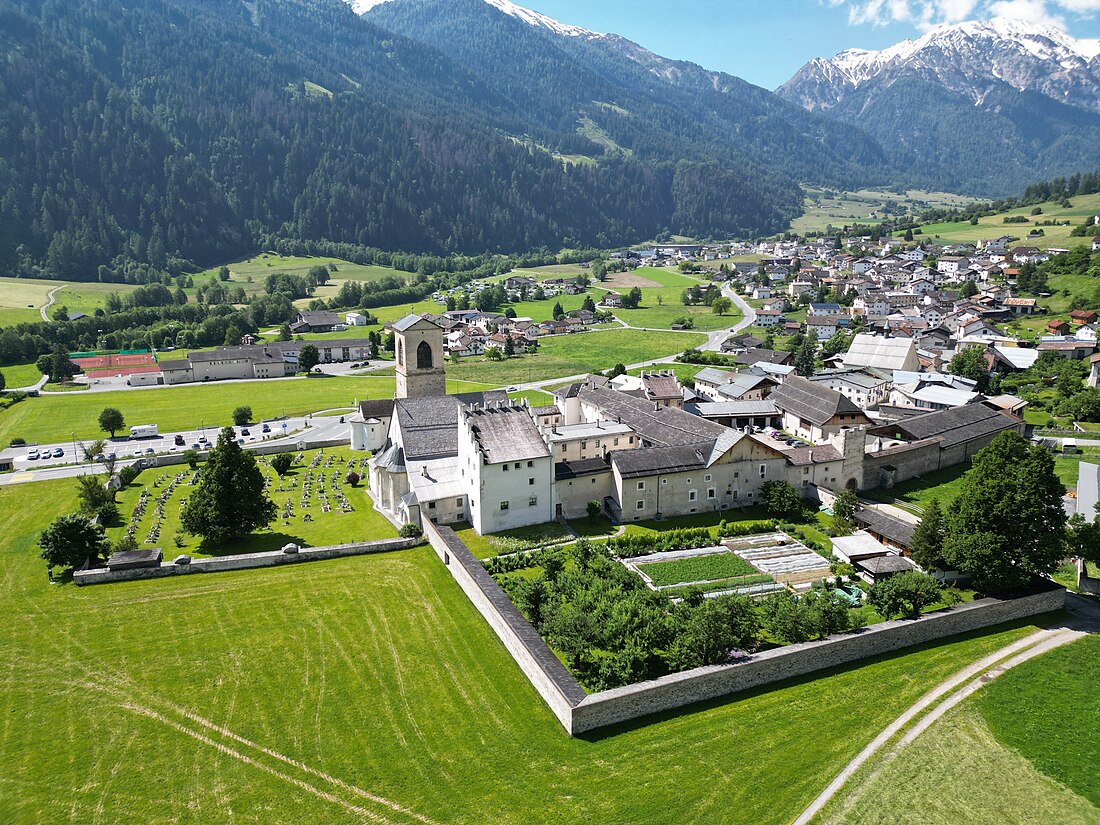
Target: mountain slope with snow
{"type": "Point", "coordinates": [968, 59]}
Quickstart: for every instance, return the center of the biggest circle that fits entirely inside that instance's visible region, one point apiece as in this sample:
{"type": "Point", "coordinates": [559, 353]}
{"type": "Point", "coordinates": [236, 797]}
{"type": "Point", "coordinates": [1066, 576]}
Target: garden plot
{"type": "Point", "coordinates": [716, 570]}
{"type": "Point", "coordinates": [786, 559]}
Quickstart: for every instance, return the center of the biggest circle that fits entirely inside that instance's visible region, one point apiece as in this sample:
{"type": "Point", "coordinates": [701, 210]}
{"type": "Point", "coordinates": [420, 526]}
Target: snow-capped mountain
{"type": "Point", "coordinates": [528, 16]}
{"type": "Point", "coordinates": [967, 59]}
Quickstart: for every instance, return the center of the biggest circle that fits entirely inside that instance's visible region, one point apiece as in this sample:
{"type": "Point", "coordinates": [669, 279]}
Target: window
{"type": "Point", "coordinates": [530, 482]}
{"type": "Point", "coordinates": [424, 356]}
{"type": "Point", "coordinates": [458, 502]}
{"type": "Point", "coordinates": [530, 464]}
{"type": "Point", "coordinates": [584, 445]}
{"type": "Point", "coordinates": [431, 505]}
{"type": "Point", "coordinates": [641, 485]}
{"type": "Point", "coordinates": [533, 501]}
{"type": "Point", "coordinates": [517, 465]}
{"type": "Point", "coordinates": [763, 470]}
{"type": "Point", "coordinates": [563, 448]}
{"type": "Point", "coordinates": [712, 493]}
{"type": "Point", "coordinates": [616, 442]}
{"type": "Point", "coordinates": [505, 468]}
{"type": "Point", "coordinates": [689, 481]}
{"type": "Point", "coordinates": [631, 439]}
{"type": "Point", "coordinates": [504, 505]}
{"type": "Point", "coordinates": [708, 478]}
{"type": "Point", "coordinates": [640, 505]}
{"type": "Point", "coordinates": [737, 475]}
{"type": "Point", "coordinates": [692, 495]}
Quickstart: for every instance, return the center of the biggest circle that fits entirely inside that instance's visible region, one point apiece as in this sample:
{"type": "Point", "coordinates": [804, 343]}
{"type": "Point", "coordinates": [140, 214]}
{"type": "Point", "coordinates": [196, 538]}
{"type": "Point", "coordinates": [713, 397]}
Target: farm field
{"type": "Point", "coordinates": [370, 688]}
{"type": "Point", "coordinates": [20, 299]}
{"type": "Point", "coordinates": [323, 469]}
{"type": "Point", "coordinates": [50, 419]}
{"type": "Point", "coordinates": [260, 266]}
{"type": "Point", "coordinates": [825, 207]}
{"type": "Point", "coordinates": [987, 762]}
{"type": "Point", "coordinates": [575, 354]}
{"type": "Point", "coordinates": [994, 226]}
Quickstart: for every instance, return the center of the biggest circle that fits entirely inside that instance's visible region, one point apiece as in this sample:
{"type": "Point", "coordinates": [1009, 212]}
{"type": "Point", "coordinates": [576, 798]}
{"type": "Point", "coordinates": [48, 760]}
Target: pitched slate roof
{"type": "Point", "coordinates": [429, 426]}
{"type": "Point", "coordinates": [894, 529]}
{"type": "Point", "coordinates": [811, 401]}
{"type": "Point", "coordinates": [752, 356]}
{"type": "Point", "coordinates": [659, 460]}
{"type": "Point", "coordinates": [506, 434]}
{"type": "Point", "coordinates": [665, 426]}
{"type": "Point", "coordinates": [565, 470]}
{"type": "Point", "coordinates": [376, 408]}
{"type": "Point", "coordinates": [409, 321]}
{"type": "Point", "coordinates": [952, 426]}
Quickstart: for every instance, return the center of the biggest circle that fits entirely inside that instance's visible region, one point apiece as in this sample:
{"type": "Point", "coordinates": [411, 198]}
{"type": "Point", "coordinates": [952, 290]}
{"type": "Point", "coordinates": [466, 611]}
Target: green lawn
{"type": "Point", "coordinates": [260, 266]}
{"type": "Point", "coordinates": [336, 692]}
{"type": "Point", "coordinates": [576, 354]}
{"type": "Point", "coordinates": [915, 494]}
{"type": "Point", "coordinates": [1015, 752]}
{"type": "Point", "coordinates": [20, 375]}
{"type": "Point", "coordinates": [20, 299]}
{"type": "Point", "coordinates": [512, 541]}
{"type": "Point", "coordinates": [57, 417]}
{"type": "Point", "coordinates": [697, 569]}
{"type": "Point", "coordinates": [333, 527]}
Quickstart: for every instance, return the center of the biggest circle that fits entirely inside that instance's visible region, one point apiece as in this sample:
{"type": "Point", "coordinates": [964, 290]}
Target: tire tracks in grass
{"type": "Point", "coordinates": [940, 699]}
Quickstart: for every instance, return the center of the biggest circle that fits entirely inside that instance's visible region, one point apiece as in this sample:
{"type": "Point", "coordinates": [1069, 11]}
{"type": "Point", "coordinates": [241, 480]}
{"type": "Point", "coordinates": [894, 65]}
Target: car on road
{"type": "Point", "coordinates": [178, 440]}
{"type": "Point", "coordinates": [58, 452]}
{"type": "Point", "coordinates": [150, 451]}
{"type": "Point", "coordinates": [265, 429]}
{"type": "Point", "coordinates": [244, 431]}
{"type": "Point", "coordinates": [137, 454]}
{"type": "Point", "coordinates": [32, 455]}
{"type": "Point", "coordinates": [512, 389]}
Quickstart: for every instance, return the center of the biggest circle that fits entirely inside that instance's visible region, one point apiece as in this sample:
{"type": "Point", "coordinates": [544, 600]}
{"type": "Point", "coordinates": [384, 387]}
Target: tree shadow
{"type": "Point", "coordinates": [254, 543]}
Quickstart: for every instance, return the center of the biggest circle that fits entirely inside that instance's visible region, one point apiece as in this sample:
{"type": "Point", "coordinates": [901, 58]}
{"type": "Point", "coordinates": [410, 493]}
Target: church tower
{"type": "Point", "coordinates": [418, 347]}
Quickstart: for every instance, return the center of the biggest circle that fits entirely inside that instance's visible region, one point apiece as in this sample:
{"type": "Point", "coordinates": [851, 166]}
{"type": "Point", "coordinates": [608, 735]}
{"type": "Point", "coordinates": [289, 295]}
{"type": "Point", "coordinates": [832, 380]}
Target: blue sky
{"type": "Point", "coordinates": [766, 42]}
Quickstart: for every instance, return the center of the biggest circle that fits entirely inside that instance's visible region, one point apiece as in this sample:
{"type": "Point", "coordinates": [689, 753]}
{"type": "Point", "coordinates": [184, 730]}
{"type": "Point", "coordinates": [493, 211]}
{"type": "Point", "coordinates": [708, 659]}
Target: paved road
{"type": "Point", "coordinates": [320, 429]}
{"type": "Point", "coordinates": [1085, 619]}
{"type": "Point", "coordinates": [50, 301]}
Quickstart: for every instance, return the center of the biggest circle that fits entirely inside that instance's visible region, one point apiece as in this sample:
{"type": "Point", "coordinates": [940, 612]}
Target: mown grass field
{"type": "Point", "coordinates": [20, 375]}
{"type": "Point", "coordinates": [369, 688]}
{"type": "Point", "coordinates": [824, 208]}
{"type": "Point", "coordinates": [1020, 750]}
{"type": "Point", "coordinates": [20, 299]}
{"type": "Point", "coordinates": [322, 529]}
{"type": "Point", "coordinates": [258, 267]}
{"type": "Point", "coordinates": [993, 226]}
{"type": "Point", "coordinates": [56, 418]}
{"type": "Point", "coordinates": [575, 354]}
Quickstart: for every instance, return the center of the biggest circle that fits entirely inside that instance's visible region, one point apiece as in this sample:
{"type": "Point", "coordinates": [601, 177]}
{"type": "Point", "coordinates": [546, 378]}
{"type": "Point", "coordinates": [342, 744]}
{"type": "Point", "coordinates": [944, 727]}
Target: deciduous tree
{"type": "Point", "coordinates": [111, 421]}
{"type": "Point", "coordinates": [71, 540]}
{"type": "Point", "coordinates": [308, 357]}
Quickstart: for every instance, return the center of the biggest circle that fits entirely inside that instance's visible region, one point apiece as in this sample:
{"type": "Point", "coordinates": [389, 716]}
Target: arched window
{"type": "Point", "coordinates": [424, 356]}
{"type": "Point", "coordinates": [400, 352]}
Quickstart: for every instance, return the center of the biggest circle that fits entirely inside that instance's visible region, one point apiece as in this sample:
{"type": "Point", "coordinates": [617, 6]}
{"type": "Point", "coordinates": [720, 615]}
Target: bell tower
{"type": "Point", "coordinates": [418, 347]}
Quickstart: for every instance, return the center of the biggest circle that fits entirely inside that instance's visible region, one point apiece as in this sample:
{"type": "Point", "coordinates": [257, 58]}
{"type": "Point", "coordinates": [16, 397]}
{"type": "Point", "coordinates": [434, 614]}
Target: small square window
{"type": "Point", "coordinates": [563, 448]}
{"type": "Point", "coordinates": [517, 465]}
{"type": "Point", "coordinates": [712, 493]}
{"type": "Point", "coordinates": [504, 505]}
{"type": "Point", "coordinates": [431, 505]}
{"type": "Point", "coordinates": [533, 501]}
{"type": "Point", "coordinates": [505, 468]}
{"type": "Point", "coordinates": [530, 482]}
{"type": "Point", "coordinates": [692, 495]}
{"type": "Point", "coordinates": [640, 505]}
{"type": "Point", "coordinates": [530, 464]}
{"type": "Point", "coordinates": [616, 442]}
{"type": "Point", "coordinates": [641, 485]}
{"type": "Point", "coordinates": [458, 502]}
{"type": "Point", "coordinates": [708, 477]}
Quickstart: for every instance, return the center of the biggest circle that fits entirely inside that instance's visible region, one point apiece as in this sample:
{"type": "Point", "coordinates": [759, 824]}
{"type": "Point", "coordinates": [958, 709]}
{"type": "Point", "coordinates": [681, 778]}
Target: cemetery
{"type": "Point", "coordinates": [317, 505]}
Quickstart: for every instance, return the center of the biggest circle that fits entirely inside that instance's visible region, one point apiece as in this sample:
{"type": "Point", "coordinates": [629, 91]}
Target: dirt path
{"type": "Point", "coordinates": [50, 301]}
{"type": "Point", "coordinates": [950, 693]}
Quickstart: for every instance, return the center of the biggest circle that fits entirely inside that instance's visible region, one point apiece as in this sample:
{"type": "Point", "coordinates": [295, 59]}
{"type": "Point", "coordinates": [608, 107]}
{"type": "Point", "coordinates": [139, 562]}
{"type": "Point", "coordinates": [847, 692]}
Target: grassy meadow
{"type": "Point", "coordinates": [370, 689]}
{"type": "Point", "coordinates": [828, 207]}
{"type": "Point", "coordinates": [988, 762]}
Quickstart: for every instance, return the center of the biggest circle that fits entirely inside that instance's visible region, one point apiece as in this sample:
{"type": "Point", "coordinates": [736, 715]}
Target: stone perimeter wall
{"type": "Point", "coordinates": [580, 712]}
{"type": "Point", "coordinates": [547, 674]}
{"type": "Point", "coordinates": [245, 561]}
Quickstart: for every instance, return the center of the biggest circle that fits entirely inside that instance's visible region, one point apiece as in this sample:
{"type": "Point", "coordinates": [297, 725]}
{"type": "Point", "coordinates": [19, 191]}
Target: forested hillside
{"type": "Point", "coordinates": [137, 136]}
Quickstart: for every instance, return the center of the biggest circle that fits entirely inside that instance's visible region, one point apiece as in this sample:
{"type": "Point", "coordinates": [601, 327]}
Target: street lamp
{"type": "Point", "coordinates": [76, 456]}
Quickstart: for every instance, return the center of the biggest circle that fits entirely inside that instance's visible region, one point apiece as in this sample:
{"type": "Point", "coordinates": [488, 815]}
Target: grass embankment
{"type": "Point", "coordinates": [379, 673]}
{"type": "Point", "coordinates": [1023, 749]}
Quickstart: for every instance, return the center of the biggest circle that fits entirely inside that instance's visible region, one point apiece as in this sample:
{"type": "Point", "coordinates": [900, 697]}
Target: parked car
{"type": "Point", "coordinates": [58, 452]}
{"type": "Point", "coordinates": [150, 451]}
{"type": "Point", "coordinates": [245, 431]}
{"type": "Point", "coordinates": [265, 429]}
{"type": "Point", "coordinates": [178, 440]}
{"type": "Point", "coordinates": [32, 455]}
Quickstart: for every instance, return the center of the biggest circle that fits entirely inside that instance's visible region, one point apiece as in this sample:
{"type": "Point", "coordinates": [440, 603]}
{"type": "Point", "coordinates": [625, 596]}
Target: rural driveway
{"type": "Point", "coordinates": [50, 301]}
{"type": "Point", "coordinates": [1085, 619]}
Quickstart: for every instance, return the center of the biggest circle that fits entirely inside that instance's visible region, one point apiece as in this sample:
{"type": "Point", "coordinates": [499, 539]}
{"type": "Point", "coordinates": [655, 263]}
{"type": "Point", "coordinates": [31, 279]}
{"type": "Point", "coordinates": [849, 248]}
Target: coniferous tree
{"type": "Point", "coordinates": [230, 501]}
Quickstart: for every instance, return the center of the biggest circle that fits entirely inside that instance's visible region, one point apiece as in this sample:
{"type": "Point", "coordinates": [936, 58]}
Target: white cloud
{"type": "Point", "coordinates": [928, 14]}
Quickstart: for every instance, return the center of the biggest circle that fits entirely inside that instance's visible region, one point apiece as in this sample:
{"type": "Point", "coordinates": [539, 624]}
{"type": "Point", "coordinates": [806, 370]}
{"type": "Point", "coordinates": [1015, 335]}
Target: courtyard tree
{"type": "Point", "coordinates": [970, 363]}
{"type": "Point", "coordinates": [281, 463]}
{"type": "Point", "coordinates": [1007, 524]}
{"type": "Point", "coordinates": [721, 306]}
{"type": "Point", "coordinates": [308, 357]}
{"type": "Point", "coordinates": [844, 510]}
{"type": "Point", "coordinates": [594, 509]}
{"type": "Point", "coordinates": [71, 540]}
{"type": "Point", "coordinates": [111, 420]}
{"type": "Point", "coordinates": [711, 629]}
{"type": "Point", "coordinates": [926, 547]}
{"type": "Point", "coordinates": [804, 359]}
{"type": "Point", "coordinates": [229, 501]}
{"type": "Point", "coordinates": [905, 594]}
{"type": "Point", "coordinates": [781, 499]}
{"type": "Point", "coordinates": [242, 415]}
